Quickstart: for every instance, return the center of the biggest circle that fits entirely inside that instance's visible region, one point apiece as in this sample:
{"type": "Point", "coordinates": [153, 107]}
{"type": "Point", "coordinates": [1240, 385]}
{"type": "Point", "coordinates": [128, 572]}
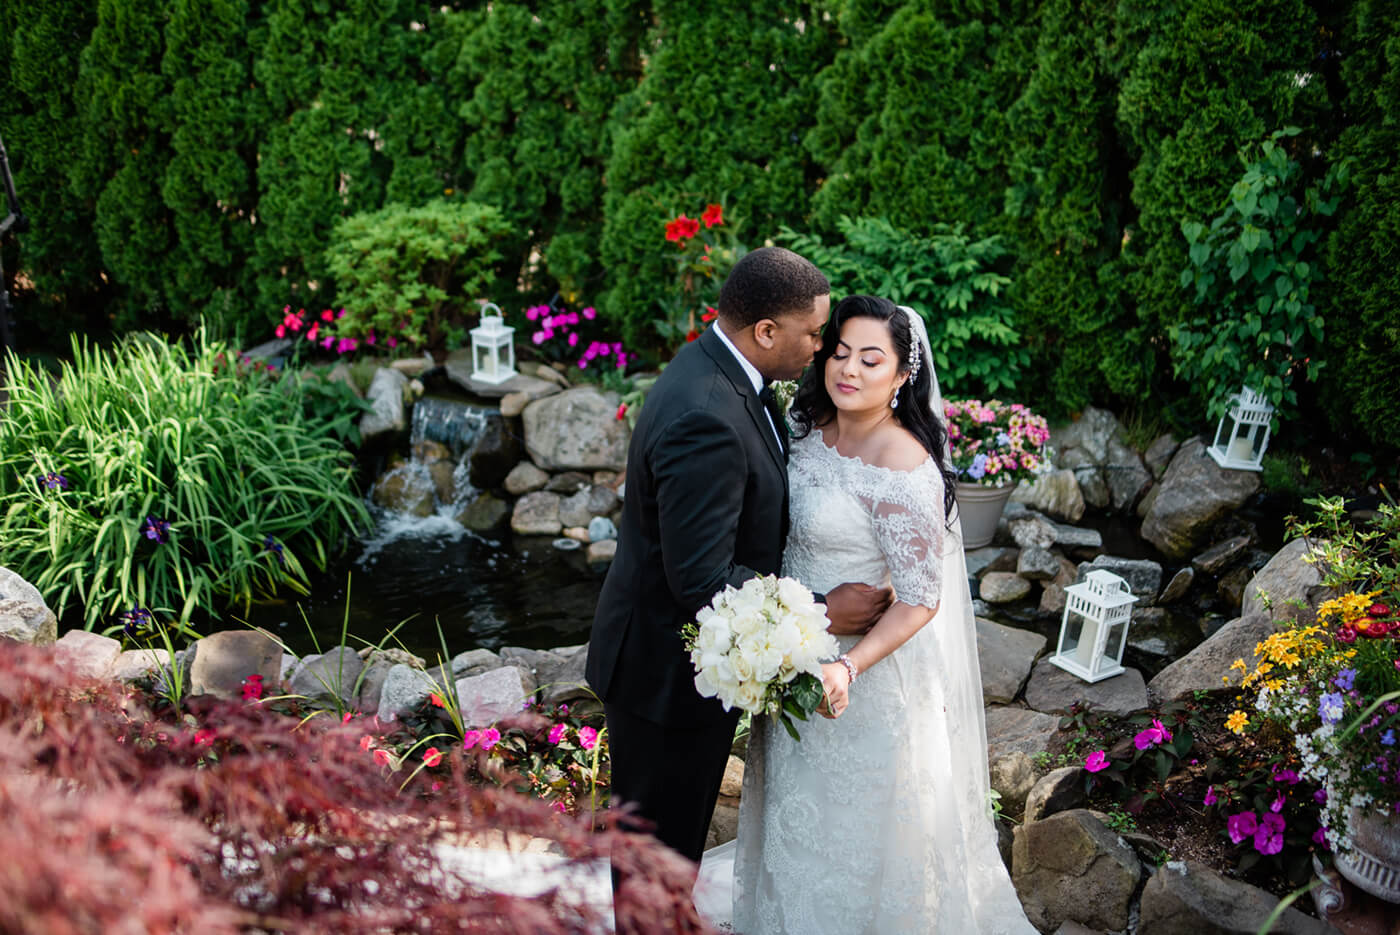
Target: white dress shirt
{"type": "Point", "coordinates": [754, 376]}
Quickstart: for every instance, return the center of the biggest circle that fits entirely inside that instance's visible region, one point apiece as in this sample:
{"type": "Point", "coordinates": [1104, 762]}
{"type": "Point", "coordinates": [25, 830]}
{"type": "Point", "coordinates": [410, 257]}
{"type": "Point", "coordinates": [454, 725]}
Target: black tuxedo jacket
{"type": "Point", "coordinates": [706, 506]}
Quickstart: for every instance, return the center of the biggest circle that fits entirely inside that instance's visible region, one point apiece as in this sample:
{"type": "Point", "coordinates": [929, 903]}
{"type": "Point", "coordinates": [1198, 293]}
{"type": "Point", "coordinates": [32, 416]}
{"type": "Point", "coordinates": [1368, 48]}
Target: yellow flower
{"type": "Point", "coordinates": [1239, 664]}
{"type": "Point", "coordinates": [1348, 606]}
{"type": "Point", "coordinates": [1273, 685]}
{"type": "Point", "coordinates": [1236, 722]}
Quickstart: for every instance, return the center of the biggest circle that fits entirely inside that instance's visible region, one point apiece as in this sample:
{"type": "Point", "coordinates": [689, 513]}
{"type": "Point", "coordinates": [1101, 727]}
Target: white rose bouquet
{"type": "Point", "coordinates": [760, 648]}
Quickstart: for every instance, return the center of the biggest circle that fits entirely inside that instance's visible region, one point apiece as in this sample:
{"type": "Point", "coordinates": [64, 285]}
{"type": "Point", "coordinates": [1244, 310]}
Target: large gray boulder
{"type": "Point", "coordinates": [485, 699]}
{"type": "Point", "coordinates": [1205, 667]}
{"type": "Point", "coordinates": [1069, 866]}
{"type": "Point", "coordinates": [386, 419]}
{"type": "Point", "coordinates": [1143, 575]}
{"type": "Point", "coordinates": [1012, 776]}
{"type": "Point", "coordinates": [494, 453]}
{"type": "Point", "coordinates": [332, 675]}
{"type": "Point", "coordinates": [1005, 655]}
{"type": "Point", "coordinates": [557, 673]}
{"type": "Point", "coordinates": [1057, 791]}
{"type": "Point", "coordinates": [1010, 729]}
{"type": "Point", "coordinates": [576, 430]}
{"type": "Point", "coordinates": [1188, 898]}
{"type": "Point", "coordinates": [1107, 470]}
{"type": "Point", "coordinates": [1002, 587]}
{"type": "Point", "coordinates": [1287, 578]}
{"type": "Point", "coordinates": [404, 689]}
{"type": "Point", "coordinates": [24, 616]}
{"type": "Point", "coordinates": [1194, 493]}
{"type": "Point", "coordinates": [537, 514]}
{"type": "Point", "coordinates": [133, 664]}
{"type": "Point", "coordinates": [1055, 494]}
{"type": "Point", "coordinates": [223, 660]}
{"type": "Point", "coordinates": [1052, 690]}
{"type": "Point", "coordinates": [89, 655]}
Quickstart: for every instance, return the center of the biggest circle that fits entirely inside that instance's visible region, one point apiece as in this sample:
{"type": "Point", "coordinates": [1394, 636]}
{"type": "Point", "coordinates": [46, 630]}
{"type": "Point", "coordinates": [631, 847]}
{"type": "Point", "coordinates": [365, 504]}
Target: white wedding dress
{"type": "Point", "coordinates": [878, 821]}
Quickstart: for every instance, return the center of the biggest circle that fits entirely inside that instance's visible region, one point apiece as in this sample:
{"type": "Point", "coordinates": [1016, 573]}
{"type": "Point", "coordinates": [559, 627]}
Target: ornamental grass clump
{"type": "Point", "coordinates": [156, 476]}
{"type": "Point", "coordinates": [233, 817]}
{"type": "Point", "coordinates": [995, 444]}
{"type": "Point", "coordinates": [1333, 686]}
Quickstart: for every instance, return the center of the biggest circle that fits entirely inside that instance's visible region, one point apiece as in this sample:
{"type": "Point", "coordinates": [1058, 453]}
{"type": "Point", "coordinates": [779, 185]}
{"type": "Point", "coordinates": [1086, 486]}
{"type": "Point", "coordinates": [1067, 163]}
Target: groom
{"type": "Point", "coordinates": [706, 506]}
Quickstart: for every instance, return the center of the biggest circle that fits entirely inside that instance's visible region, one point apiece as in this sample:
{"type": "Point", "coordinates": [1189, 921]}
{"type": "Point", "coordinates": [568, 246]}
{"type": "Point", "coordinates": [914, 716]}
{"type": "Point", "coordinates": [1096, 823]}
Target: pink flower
{"type": "Point", "coordinates": [489, 738]}
{"type": "Point", "coordinates": [328, 316]}
{"type": "Point", "coordinates": [1319, 837]}
{"type": "Point", "coordinates": [537, 337]}
{"type": "Point", "coordinates": [1241, 826]}
{"type": "Point", "coordinates": [1152, 736]}
{"type": "Point", "coordinates": [432, 756]}
{"type": "Point", "coordinates": [1210, 798]}
{"type": "Point", "coordinates": [558, 807]}
{"type": "Point", "coordinates": [393, 343]}
{"type": "Point", "coordinates": [313, 331]}
{"type": "Point", "coordinates": [587, 738]}
{"type": "Point", "coordinates": [589, 313]}
{"type": "Point", "coordinates": [556, 733]}
{"type": "Point", "coordinates": [204, 737]}
{"type": "Point", "coordinates": [252, 688]}
{"type": "Point", "coordinates": [327, 341]}
{"type": "Point", "coordinates": [383, 757]}
{"type": "Point", "coordinates": [1096, 761]}
{"type": "Point", "coordinates": [340, 313]}
{"type": "Point", "coordinates": [366, 742]}
{"type": "Point", "coordinates": [573, 339]}
{"type": "Point", "coordinates": [470, 738]}
{"type": "Point", "coordinates": [1278, 804]}
{"type": "Point", "coordinates": [280, 331]}
{"type": "Point", "coordinates": [1268, 838]}
{"type": "Point", "coordinates": [621, 412]}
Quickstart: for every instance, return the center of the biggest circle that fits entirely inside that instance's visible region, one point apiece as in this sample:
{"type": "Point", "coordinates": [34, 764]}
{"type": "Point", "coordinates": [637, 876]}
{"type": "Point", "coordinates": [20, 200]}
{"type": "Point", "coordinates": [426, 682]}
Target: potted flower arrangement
{"type": "Point", "coordinates": [994, 446]}
{"type": "Point", "coordinates": [1333, 687]}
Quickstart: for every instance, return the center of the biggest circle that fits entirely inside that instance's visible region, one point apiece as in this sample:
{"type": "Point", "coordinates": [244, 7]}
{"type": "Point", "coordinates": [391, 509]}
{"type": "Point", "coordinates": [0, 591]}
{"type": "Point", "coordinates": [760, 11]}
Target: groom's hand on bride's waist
{"type": "Point", "coordinates": [854, 608]}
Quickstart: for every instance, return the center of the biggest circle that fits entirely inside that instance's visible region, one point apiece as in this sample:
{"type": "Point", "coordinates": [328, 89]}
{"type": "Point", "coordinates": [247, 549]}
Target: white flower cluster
{"type": "Point", "coordinates": [753, 640]}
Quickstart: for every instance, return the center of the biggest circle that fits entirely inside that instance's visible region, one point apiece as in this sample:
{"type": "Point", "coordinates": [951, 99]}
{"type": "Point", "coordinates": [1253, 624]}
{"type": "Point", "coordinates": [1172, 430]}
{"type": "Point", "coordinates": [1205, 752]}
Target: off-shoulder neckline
{"type": "Point", "coordinates": [816, 437]}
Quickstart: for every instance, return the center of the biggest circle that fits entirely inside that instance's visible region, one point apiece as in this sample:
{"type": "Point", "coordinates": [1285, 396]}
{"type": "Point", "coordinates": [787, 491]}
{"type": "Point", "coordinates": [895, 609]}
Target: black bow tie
{"type": "Point", "coordinates": [770, 402]}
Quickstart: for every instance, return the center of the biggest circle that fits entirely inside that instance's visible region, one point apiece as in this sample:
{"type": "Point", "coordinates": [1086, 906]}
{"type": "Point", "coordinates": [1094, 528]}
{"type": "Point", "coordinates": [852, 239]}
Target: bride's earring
{"type": "Point", "coordinates": [894, 400]}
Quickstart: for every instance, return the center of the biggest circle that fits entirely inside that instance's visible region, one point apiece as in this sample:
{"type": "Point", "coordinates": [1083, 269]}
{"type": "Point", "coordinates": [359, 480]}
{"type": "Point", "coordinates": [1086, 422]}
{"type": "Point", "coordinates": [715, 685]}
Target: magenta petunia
{"type": "Point", "coordinates": [1096, 761]}
{"type": "Point", "coordinates": [556, 733]}
{"type": "Point", "coordinates": [1268, 837]}
{"type": "Point", "coordinates": [1241, 826]}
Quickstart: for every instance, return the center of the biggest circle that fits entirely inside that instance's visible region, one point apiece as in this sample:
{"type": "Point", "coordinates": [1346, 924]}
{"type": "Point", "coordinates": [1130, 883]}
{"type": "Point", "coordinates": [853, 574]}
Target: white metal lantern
{"type": "Point", "coordinates": [1242, 436]}
{"type": "Point", "coordinates": [1094, 629]}
{"type": "Point", "coordinates": [493, 348]}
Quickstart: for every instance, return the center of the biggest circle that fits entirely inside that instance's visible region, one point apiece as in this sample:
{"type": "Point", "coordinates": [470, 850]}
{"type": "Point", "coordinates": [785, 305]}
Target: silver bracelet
{"type": "Point", "coordinates": [850, 666]}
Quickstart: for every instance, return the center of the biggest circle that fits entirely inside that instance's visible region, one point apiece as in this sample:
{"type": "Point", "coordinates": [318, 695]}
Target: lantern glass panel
{"type": "Point", "coordinates": [1113, 647]}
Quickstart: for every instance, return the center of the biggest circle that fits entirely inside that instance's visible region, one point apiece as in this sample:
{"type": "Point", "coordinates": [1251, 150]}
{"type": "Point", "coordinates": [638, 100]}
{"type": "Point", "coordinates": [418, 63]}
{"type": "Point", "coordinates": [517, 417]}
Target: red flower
{"type": "Point", "coordinates": [436, 699]}
{"type": "Point", "coordinates": [432, 756]}
{"type": "Point", "coordinates": [328, 315]}
{"type": "Point", "coordinates": [682, 228]}
{"type": "Point", "coordinates": [621, 412]}
{"type": "Point", "coordinates": [252, 688]}
{"type": "Point", "coordinates": [691, 335]}
{"type": "Point", "coordinates": [714, 214]}
{"type": "Point", "coordinates": [1346, 634]}
{"type": "Point", "coordinates": [204, 737]}
{"type": "Point", "coordinates": [709, 314]}
{"type": "Point", "coordinates": [1378, 610]}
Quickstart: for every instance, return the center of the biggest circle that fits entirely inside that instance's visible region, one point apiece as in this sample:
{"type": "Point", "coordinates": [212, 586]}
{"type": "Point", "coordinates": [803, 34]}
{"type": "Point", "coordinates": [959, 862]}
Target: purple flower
{"type": "Point", "coordinates": [589, 313]}
{"type": "Point", "coordinates": [1286, 775]}
{"type": "Point", "coordinates": [1388, 738]}
{"type": "Point", "coordinates": [979, 467]}
{"type": "Point", "coordinates": [135, 621]}
{"type": "Point", "coordinates": [1241, 826]}
{"type": "Point", "coordinates": [272, 545]}
{"type": "Point", "coordinates": [156, 529]}
{"type": "Point", "coordinates": [1210, 798]}
{"type": "Point", "coordinates": [1320, 796]}
{"type": "Point", "coordinates": [1330, 706]}
{"type": "Point", "coordinates": [1319, 838]}
{"type": "Point", "coordinates": [1268, 838]}
{"type": "Point", "coordinates": [52, 481]}
{"type": "Point", "coordinates": [1152, 736]}
{"type": "Point", "coordinates": [1278, 803]}
{"type": "Point", "coordinates": [1344, 679]}
{"type": "Point", "coordinates": [1096, 761]}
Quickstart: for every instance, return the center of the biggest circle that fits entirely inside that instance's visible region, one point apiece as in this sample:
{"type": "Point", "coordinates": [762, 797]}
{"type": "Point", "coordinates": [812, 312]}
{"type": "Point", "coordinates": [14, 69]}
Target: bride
{"type": "Point", "coordinates": [878, 820]}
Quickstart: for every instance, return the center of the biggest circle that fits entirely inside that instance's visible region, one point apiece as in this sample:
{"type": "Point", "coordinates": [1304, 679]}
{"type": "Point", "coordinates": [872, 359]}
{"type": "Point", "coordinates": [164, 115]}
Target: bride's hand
{"type": "Point", "coordinates": [836, 682]}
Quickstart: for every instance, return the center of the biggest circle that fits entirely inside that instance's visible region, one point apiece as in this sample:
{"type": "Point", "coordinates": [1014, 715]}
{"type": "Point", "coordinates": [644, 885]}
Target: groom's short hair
{"type": "Point", "coordinates": [767, 283]}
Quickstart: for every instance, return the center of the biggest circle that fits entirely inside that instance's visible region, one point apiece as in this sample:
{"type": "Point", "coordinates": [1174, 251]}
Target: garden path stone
{"type": "Point", "coordinates": [1002, 587]}
{"type": "Point", "coordinates": [1220, 556]}
{"type": "Point", "coordinates": [386, 418]}
{"type": "Point", "coordinates": [568, 483]}
{"type": "Point", "coordinates": [525, 478]}
{"type": "Point", "coordinates": [1011, 728]}
{"type": "Point", "coordinates": [1177, 587]}
{"type": "Point", "coordinates": [576, 430]}
{"type": "Point", "coordinates": [1286, 577]}
{"type": "Point", "coordinates": [321, 677]}
{"type": "Point", "coordinates": [487, 698]}
{"type": "Point", "coordinates": [24, 615]}
{"type": "Point", "coordinates": [1052, 690]}
{"type": "Point", "coordinates": [1188, 898]}
{"type": "Point", "coordinates": [1071, 867]}
{"type": "Point", "coordinates": [1012, 775]}
{"type": "Point", "coordinates": [1055, 494]}
{"type": "Point", "coordinates": [1005, 655]}
{"type": "Point", "coordinates": [1143, 575]}
{"type": "Point", "coordinates": [1193, 494]}
{"type": "Point", "coordinates": [223, 660]}
{"type": "Point", "coordinates": [133, 664]}
{"type": "Point", "coordinates": [602, 500]}
{"type": "Point", "coordinates": [513, 404]}
{"type": "Point", "coordinates": [1204, 667]}
{"type": "Point", "coordinates": [1037, 564]}
{"type": "Point", "coordinates": [537, 514]}
{"type": "Point", "coordinates": [89, 655]}
{"type": "Point", "coordinates": [1057, 791]}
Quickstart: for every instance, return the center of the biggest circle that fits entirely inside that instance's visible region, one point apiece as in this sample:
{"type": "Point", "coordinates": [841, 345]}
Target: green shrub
{"type": "Point", "coordinates": [94, 465]}
{"type": "Point", "coordinates": [951, 280]}
{"type": "Point", "coordinates": [409, 272]}
{"type": "Point", "coordinates": [1251, 273]}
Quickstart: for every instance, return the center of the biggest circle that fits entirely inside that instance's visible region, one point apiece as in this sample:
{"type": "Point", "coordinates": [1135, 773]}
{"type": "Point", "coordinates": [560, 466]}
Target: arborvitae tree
{"type": "Point", "coordinates": [126, 114]}
{"type": "Point", "coordinates": [209, 184]}
{"type": "Point", "coordinates": [912, 121]}
{"type": "Point", "coordinates": [40, 41]}
{"type": "Point", "coordinates": [542, 79]}
{"type": "Point", "coordinates": [718, 117]}
{"type": "Point", "coordinates": [1202, 81]}
{"type": "Point", "coordinates": [1064, 205]}
{"type": "Point", "coordinates": [332, 77]}
{"type": "Point", "coordinates": [1363, 368]}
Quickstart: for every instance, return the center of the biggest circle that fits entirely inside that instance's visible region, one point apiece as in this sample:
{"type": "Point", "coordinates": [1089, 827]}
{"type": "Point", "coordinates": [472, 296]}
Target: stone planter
{"type": "Point", "coordinates": [980, 508]}
{"type": "Point", "coordinates": [1374, 863]}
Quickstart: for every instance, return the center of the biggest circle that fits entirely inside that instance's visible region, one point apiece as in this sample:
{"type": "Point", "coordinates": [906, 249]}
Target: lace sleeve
{"type": "Point", "coordinates": [908, 516]}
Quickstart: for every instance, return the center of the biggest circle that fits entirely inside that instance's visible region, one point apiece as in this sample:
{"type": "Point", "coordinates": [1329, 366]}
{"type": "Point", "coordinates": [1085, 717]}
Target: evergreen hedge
{"type": "Point", "coordinates": [187, 160]}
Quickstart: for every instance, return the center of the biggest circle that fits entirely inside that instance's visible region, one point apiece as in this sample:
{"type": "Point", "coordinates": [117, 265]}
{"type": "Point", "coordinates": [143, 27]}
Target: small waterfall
{"type": "Point", "coordinates": [447, 422]}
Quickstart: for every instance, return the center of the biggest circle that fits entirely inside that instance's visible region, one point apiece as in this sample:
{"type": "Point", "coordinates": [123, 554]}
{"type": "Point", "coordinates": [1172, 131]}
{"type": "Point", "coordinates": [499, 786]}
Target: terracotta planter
{"type": "Point", "coordinates": [980, 508]}
{"type": "Point", "coordinates": [1374, 864]}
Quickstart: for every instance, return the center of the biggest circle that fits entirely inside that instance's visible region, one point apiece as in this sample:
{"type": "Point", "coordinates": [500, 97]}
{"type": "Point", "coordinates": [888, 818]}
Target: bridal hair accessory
{"type": "Point", "coordinates": [916, 355]}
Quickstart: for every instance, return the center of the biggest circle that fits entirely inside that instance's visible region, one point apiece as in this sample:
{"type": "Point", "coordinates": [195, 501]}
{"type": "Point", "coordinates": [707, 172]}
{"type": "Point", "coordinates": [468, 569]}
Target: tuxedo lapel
{"type": "Point", "coordinates": [758, 413]}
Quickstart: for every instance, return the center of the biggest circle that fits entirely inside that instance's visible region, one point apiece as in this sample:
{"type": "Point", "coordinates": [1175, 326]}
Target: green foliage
{"type": "Point", "coordinates": [951, 280]}
{"type": "Point", "coordinates": [409, 272]}
{"type": "Point", "coordinates": [1359, 386]}
{"type": "Point", "coordinates": [252, 491]}
{"type": "Point", "coordinates": [1252, 273]}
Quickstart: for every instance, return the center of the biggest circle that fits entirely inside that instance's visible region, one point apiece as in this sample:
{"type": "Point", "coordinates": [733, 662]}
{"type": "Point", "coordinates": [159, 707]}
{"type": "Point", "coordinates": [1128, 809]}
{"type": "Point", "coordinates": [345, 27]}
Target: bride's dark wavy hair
{"type": "Point", "coordinates": [812, 406]}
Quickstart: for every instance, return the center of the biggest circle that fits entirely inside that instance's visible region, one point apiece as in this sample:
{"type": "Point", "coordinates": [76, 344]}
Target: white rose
{"type": "Point", "coordinates": [787, 636]}
{"type": "Point", "coordinates": [714, 635]}
{"type": "Point", "coordinates": [750, 697]}
{"type": "Point", "coordinates": [742, 664]}
{"type": "Point", "coordinates": [793, 594]}
{"type": "Point", "coordinates": [704, 686]}
{"type": "Point", "coordinates": [748, 624]}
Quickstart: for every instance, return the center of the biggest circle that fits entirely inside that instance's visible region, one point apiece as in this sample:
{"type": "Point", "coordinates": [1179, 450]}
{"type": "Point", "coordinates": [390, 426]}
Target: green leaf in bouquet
{"type": "Point", "coordinates": [789, 726]}
{"type": "Point", "coordinates": [807, 691]}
